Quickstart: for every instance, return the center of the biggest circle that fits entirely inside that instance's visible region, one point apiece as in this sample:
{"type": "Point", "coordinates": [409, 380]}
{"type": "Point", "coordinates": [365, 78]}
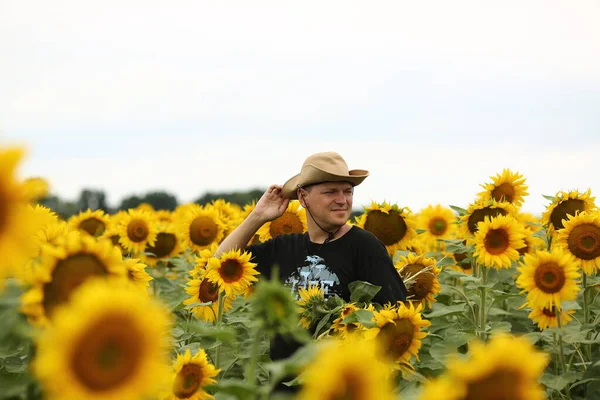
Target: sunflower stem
{"type": "Point", "coordinates": [251, 366]}
{"type": "Point", "coordinates": [219, 320]}
{"type": "Point", "coordinates": [586, 316]}
{"type": "Point", "coordinates": [561, 350]}
{"type": "Point", "coordinates": [482, 312]}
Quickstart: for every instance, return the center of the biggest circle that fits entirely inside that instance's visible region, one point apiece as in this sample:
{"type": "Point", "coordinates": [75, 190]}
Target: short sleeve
{"type": "Point", "coordinates": [262, 254]}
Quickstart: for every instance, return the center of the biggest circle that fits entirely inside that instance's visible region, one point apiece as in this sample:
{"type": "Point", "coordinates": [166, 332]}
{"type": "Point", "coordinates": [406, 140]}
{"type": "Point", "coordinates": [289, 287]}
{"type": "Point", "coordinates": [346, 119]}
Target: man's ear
{"type": "Point", "coordinates": [301, 193]}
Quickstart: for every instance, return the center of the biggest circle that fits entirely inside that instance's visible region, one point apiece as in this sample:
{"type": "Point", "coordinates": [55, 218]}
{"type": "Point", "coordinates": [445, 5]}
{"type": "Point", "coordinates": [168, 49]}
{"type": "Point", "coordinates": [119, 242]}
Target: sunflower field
{"type": "Point", "coordinates": [502, 304]}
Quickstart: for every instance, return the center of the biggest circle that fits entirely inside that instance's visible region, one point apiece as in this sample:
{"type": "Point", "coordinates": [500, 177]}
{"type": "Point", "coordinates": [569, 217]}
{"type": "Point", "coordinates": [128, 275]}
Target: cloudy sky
{"type": "Point", "coordinates": [432, 97]}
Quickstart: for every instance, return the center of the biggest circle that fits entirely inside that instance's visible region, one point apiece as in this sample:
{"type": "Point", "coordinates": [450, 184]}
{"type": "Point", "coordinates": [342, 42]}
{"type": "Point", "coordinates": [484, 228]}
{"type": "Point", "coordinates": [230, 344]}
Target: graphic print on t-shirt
{"type": "Point", "coordinates": [314, 272]}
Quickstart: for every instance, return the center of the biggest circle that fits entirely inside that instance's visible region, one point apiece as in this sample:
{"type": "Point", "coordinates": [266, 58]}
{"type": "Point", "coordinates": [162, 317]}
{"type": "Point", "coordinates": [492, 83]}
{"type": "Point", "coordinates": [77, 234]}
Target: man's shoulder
{"type": "Point", "coordinates": [362, 235]}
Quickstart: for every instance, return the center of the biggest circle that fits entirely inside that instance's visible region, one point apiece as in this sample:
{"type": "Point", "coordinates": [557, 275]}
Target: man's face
{"type": "Point", "coordinates": [330, 202]}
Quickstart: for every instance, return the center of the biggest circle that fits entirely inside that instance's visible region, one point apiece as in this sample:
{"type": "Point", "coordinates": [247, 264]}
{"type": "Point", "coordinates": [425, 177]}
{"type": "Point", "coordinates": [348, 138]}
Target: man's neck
{"type": "Point", "coordinates": [317, 235]}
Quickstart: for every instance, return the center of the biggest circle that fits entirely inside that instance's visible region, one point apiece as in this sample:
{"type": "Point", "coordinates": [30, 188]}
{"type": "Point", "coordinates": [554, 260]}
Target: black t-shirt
{"type": "Point", "coordinates": [357, 255]}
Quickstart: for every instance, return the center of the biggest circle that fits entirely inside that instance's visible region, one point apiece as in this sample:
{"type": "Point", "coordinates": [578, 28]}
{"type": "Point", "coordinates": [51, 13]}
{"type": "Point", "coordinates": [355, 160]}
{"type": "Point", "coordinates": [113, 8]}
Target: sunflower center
{"type": "Point", "coordinates": [208, 292]}
{"type": "Point", "coordinates": [231, 271]}
{"type": "Point", "coordinates": [397, 337]}
{"type": "Point", "coordinates": [93, 226]}
{"type": "Point", "coordinates": [504, 192]}
{"type": "Point", "coordinates": [479, 215]}
{"type": "Point", "coordinates": [389, 228]}
{"type": "Point", "coordinates": [496, 241]}
{"type": "Point", "coordinates": [108, 354]}
{"type": "Point", "coordinates": [352, 387]}
{"type": "Point", "coordinates": [438, 226]}
{"type": "Point", "coordinates": [203, 231]}
{"type": "Point", "coordinates": [422, 284]}
{"type": "Point", "coordinates": [500, 384]}
{"type": "Point", "coordinates": [566, 207]}
{"type": "Point", "coordinates": [164, 245]}
{"type": "Point", "coordinates": [288, 223]}
{"type": "Point", "coordinates": [549, 312]}
{"type": "Point", "coordinates": [549, 277]}
{"type": "Point", "coordinates": [584, 241]}
{"type": "Point", "coordinates": [187, 381]}
{"type": "Point", "coordinates": [137, 230]}
{"type": "Point", "coordinates": [67, 275]}
{"type": "Point", "coordinates": [524, 250]}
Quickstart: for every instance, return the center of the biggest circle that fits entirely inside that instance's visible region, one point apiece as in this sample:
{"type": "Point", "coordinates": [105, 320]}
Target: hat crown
{"type": "Point", "coordinates": [328, 161]}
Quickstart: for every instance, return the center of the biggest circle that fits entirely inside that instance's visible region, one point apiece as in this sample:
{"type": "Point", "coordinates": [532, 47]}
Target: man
{"type": "Point", "coordinates": [332, 254]}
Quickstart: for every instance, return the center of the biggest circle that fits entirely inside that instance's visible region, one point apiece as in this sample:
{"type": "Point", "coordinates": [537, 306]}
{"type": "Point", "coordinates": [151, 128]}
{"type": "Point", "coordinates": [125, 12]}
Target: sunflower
{"type": "Point", "coordinates": [505, 368]}
{"type": "Point", "coordinates": [204, 291]}
{"type": "Point", "coordinates": [293, 220]}
{"type": "Point", "coordinates": [36, 188]}
{"type": "Point", "coordinates": [393, 225]}
{"type": "Point", "coordinates": [232, 271]}
{"type": "Point", "coordinates": [565, 204]}
{"type": "Point", "coordinates": [167, 245]}
{"type": "Point", "coordinates": [532, 243]}
{"type": "Point", "coordinates": [200, 227]}
{"type": "Point", "coordinates": [91, 222]}
{"type": "Point", "coordinates": [17, 224]}
{"type": "Point", "coordinates": [201, 261]}
{"type": "Point", "coordinates": [191, 375]}
{"type": "Point", "coordinates": [76, 258]}
{"type": "Point", "coordinates": [310, 305]}
{"type": "Point", "coordinates": [108, 342]}
{"type": "Point", "coordinates": [147, 207]}
{"type": "Point", "coordinates": [498, 240]}
{"type": "Point", "coordinates": [137, 229]}
{"type": "Point", "coordinates": [477, 212]}
{"type": "Point", "coordinates": [348, 369]}
{"type": "Point", "coordinates": [346, 330]}
{"type": "Point", "coordinates": [420, 275]}
{"type": "Point", "coordinates": [439, 223]}
{"type": "Point", "coordinates": [581, 238]}
{"type": "Point", "coordinates": [49, 235]}
{"type": "Point", "coordinates": [42, 217]}
{"type": "Point", "coordinates": [399, 331]}
{"type": "Point", "coordinates": [530, 222]}
{"type": "Point", "coordinates": [548, 278]}
{"type": "Point", "coordinates": [164, 216]}
{"type": "Point", "coordinates": [546, 317]}
{"type": "Point", "coordinates": [136, 272]}
{"type": "Point", "coordinates": [508, 186]}
{"type": "Point", "coordinates": [230, 213]}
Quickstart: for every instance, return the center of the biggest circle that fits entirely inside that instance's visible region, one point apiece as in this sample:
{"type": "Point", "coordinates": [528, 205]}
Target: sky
{"type": "Point", "coordinates": [431, 97]}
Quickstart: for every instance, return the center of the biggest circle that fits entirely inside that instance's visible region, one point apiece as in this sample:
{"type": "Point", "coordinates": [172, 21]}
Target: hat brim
{"type": "Point", "coordinates": [312, 175]}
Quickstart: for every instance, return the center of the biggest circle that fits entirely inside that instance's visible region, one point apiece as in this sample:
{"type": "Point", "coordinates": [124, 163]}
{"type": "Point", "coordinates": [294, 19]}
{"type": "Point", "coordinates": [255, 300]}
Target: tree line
{"type": "Point", "coordinates": [160, 200]}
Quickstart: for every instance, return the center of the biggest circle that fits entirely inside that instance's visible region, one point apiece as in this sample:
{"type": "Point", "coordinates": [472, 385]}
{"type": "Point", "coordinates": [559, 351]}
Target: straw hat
{"type": "Point", "coordinates": [323, 167]}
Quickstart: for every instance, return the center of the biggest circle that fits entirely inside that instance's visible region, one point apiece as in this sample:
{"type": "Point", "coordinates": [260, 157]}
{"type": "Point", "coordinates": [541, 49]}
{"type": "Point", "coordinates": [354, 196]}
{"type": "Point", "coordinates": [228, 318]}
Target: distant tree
{"type": "Point", "coordinates": [160, 200]}
{"type": "Point", "coordinates": [130, 202]}
{"type": "Point", "coordinates": [240, 198]}
{"type": "Point", "coordinates": [65, 209]}
{"type": "Point", "coordinates": [92, 199]}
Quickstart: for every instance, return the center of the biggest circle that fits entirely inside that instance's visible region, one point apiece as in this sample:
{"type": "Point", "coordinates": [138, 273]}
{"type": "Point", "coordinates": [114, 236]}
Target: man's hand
{"type": "Point", "coordinates": [271, 205]}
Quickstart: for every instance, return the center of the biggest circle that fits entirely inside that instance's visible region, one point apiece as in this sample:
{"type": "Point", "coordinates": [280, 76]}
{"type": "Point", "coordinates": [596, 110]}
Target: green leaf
{"type": "Point", "coordinates": [420, 231]}
{"type": "Point", "coordinates": [239, 389]}
{"type": "Point", "coordinates": [551, 198]}
{"type": "Point", "coordinates": [14, 365]}
{"type": "Point", "coordinates": [558, 382]}
{"type": "Point", "coordinates": [322, 323]}
{"type": "Point", "coordinates": [570, 305]}
{"type": "Point", "coordinates": [459, 210]}
{"type": "Point", "coordinates": [441, 310]}
{"type": "Point", "coordinates": [224, 333]}
{"type": "Point", "coordinates": [364, 317]}
{"type": "Point", "coordinates": [362, 292]}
